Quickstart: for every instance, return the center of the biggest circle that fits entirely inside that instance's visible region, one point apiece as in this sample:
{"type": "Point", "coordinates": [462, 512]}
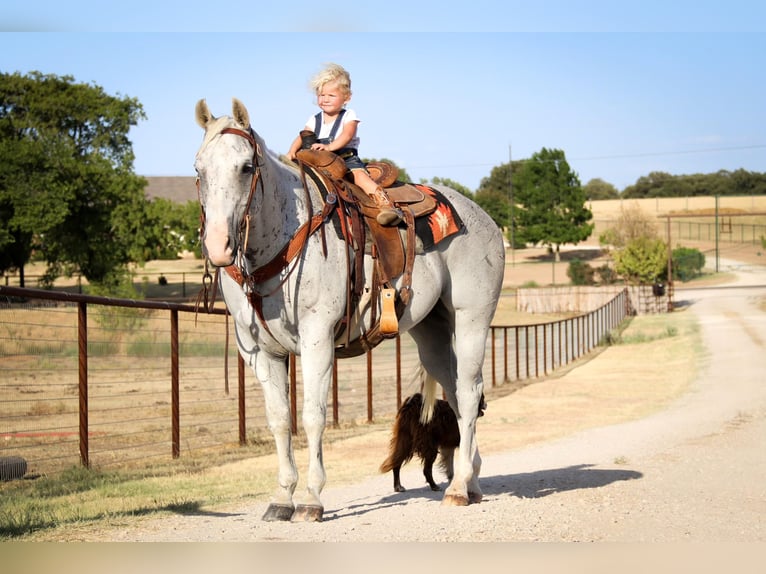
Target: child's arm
{"type": "Point", "coordinates": [294, 147]}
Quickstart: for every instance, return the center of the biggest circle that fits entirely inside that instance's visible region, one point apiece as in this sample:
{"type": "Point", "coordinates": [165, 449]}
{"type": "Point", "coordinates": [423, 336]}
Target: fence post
{"type": "Point", "coordinates": [369, 386]}
{"type": "Point", "coordinates": [398, 372]}
{"type": "Point", "coordinates": [335, 414]}
{"type": "Point", "coordinates": [174, 385]}
{"type": "Point", "coordinates": [82, 350]}
{"type": "Point", "coordinates": [241, 398]}
{"type": "Point", "coordinates": [493, 356]}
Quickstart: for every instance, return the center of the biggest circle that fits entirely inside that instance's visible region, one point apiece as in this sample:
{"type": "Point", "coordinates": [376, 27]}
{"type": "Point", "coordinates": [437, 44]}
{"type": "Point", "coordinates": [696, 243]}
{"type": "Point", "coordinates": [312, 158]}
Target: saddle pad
{"type": "Point", "coordinates": [440, 223]}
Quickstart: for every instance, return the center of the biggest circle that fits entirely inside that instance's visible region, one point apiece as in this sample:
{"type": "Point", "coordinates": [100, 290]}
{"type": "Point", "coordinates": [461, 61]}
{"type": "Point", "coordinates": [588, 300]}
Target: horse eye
{"type": "Point", "coordinates": [248, 169]}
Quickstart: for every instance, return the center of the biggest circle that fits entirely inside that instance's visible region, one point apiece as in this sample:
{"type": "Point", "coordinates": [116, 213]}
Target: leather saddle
{"type": "Point", "coordinates": [392, 248]}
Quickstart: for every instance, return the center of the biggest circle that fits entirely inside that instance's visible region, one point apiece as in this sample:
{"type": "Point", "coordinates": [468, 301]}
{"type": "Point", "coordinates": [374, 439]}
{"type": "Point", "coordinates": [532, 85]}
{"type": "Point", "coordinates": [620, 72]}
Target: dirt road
{"type": "Point", "coordinates": [695, 471]}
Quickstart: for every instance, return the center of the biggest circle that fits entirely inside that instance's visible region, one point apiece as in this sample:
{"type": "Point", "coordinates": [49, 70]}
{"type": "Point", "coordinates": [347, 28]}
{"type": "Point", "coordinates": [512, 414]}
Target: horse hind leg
{"type": "Point", "coordinates": [456, 363]}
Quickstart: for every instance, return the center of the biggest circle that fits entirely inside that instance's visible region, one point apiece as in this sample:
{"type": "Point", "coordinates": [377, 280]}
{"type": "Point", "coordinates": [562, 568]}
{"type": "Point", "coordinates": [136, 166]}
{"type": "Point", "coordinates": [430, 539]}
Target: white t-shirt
{"type": "Point", "coordinates": [324, 132]}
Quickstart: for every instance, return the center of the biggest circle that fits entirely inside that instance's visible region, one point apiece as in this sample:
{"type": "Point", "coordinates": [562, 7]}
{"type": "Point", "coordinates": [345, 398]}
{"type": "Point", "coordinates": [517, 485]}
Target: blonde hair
{"type": "Point", "coordinates": [332, 73]}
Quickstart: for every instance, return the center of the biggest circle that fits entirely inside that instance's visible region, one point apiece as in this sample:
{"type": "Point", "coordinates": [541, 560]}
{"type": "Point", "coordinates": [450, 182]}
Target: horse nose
{"type": "Point", "coordinates": [219, 245]}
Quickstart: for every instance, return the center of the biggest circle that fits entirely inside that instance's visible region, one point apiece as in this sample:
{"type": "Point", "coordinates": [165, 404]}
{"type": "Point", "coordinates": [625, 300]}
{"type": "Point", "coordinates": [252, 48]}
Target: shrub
{"type": "Point", "coordinates": [580, 273]}
{"type": "Point", "coordinates": [687, 263]}
{"type": "Point", "coordinates": [642, 260]}
{"type": "Point", "coordinates": [606, 274]}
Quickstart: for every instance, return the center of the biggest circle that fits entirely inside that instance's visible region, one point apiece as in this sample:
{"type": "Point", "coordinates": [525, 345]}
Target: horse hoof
{"type": "Point", "coordinates": [278, 513]}
{"type": "Point", "coordinates": [454, 500]}
{"type": "Point", "coordinates": [475, 497]}
{"type": "Point", "coordinates": [308, 513]}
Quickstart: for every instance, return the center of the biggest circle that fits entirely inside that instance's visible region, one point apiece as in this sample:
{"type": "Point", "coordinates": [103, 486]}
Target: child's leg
{"type": "Point", "coordinates": [388, 214]}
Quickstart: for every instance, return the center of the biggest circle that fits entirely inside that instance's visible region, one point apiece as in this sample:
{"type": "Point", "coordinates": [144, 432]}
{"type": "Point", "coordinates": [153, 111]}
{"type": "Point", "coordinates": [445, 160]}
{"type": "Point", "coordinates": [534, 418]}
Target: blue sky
{"type": "Point", "coordinates": [677, 87]}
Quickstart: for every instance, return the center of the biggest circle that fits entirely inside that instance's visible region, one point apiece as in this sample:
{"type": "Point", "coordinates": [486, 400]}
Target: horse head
{"type": "Point", "coordinates": [228, 171]}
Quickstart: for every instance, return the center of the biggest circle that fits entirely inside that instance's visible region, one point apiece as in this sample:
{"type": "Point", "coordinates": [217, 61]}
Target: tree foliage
{"type": "Point", "coordinates": [495, 192]}
{"type": "Point", "coordinates": [597, 189]}
{"type": "Point", "coordinates": [445, 181]}
{"type": "Point", "coordinates": [550, 201]}
{"type": "Point", "coordinates": [638, 252]}
{"type": "Point", "coordinates": [66, 179]}
{"type": "Point", "coordinates": [723, 182]}
{"type": "Point", "coordinates": [642, 260]}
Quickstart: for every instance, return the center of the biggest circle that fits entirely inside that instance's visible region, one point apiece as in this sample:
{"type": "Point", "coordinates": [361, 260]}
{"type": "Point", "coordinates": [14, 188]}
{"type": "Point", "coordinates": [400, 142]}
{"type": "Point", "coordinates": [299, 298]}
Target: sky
{"type": "Point", "coordinates": [677, 87]}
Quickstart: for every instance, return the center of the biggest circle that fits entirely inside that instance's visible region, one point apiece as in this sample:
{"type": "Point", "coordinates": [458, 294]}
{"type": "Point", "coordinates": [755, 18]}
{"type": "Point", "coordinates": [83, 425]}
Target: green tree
{"type": "Point", "coordinates": [66, 176]}
{"type": "Point", "coordinates": [661, 184]}
{"type": "Point", "coordinates": [495, 193]}
{"type": "Point", "coordinates": [445, 181]}
{"type": "Point", "coordinates": [551, 202]}
{"type": "Point", "coordinates": [597, 189]}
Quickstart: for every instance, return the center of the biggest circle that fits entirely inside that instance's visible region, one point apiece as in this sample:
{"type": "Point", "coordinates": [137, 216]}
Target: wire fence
{"type": "Point", "coordinates": [112, 383]}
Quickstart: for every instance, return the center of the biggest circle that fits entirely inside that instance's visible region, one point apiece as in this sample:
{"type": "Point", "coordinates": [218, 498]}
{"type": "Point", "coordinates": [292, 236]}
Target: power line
{"type": "Point", "coordinates": [679, 152]}
{"type": "Point", "coordinates": [601, 157]}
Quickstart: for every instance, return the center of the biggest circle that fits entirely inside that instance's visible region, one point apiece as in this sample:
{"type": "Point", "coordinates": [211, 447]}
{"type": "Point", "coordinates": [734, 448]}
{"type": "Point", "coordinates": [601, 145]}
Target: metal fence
{"type": "Point", "coordinates": [114, 382]}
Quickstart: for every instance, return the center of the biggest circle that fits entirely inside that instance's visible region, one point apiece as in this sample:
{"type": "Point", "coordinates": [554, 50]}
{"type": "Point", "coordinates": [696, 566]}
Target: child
{"type": "Point", "coordinates": [336, 129]}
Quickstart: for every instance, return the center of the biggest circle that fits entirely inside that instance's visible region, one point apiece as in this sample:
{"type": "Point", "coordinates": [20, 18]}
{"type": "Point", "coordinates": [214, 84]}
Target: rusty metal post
{"type": "Point", "coordinates": [241, 399]}
{"type": "Point", "coordinates": [335, 419]}
{"type": "Point", "coordinates": [505, 354]}
{"type": "Point", "coordinates": [226, 356]}
{"type": "Point", "coordinates": [526, 348]}
{"type": "Point", "coordinates": [516, 335]}
{"type": "Point", "coordinates": [398, 372]}
{"type": "Point", "coordinates": [82, 350]}
{"type": "Point", "coordinates": [493, 357]}
{"type": "Point", "coordinates": [174, 386]}
{"type": "Point", "coordinates": [369, 386]}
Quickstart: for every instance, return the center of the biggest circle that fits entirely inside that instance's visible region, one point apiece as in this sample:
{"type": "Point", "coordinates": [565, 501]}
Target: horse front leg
{"type": "Point", "coordinates": [272, 374]}
{"type": "Point", "coordinates": [316, 365]}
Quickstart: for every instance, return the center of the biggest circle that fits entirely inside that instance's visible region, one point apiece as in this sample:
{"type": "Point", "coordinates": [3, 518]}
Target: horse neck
{"type": "Point", "coordinates": [277, 210]}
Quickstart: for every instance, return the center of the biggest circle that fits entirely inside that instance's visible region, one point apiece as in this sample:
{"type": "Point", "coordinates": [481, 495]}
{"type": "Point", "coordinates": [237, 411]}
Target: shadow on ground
{"type": "Point", "coordinates": [523, 485]}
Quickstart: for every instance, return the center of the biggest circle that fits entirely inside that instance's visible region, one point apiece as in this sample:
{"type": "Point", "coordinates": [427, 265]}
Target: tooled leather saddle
{"type": "Point", "coordinates": [392, 248]}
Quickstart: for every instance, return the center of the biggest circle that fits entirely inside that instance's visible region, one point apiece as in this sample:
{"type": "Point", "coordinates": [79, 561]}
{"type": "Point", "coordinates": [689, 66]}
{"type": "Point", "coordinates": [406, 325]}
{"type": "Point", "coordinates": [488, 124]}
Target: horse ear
{"type": "Point", "coordinates": [240, 113]}
{"type": "Point", "coordinates": [202, 113]}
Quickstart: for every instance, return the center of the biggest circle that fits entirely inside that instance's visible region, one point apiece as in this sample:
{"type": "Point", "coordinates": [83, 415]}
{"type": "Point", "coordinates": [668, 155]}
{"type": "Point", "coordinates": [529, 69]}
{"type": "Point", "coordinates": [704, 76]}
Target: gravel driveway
{"type": "Point", "coordinates": [693, 472]}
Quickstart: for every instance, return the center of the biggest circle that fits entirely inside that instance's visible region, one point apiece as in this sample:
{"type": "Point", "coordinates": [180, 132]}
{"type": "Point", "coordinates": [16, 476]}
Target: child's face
{"type": "Point", "coordinates": [331, 98]}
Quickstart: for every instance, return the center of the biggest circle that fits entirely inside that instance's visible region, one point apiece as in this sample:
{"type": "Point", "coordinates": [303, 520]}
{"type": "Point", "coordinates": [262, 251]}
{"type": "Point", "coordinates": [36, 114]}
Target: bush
{"type": "Point", "coordinates": [580, 273]}
{"type": "Point", "coordinates": [606, 274]}
{"type": "Point", "coordinates": [687, 263]}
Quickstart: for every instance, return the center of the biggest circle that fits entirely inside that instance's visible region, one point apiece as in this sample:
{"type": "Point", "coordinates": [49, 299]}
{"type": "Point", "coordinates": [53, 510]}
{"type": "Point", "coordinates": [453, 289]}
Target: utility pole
{"type": "Point", "coordinates": [510, 202]}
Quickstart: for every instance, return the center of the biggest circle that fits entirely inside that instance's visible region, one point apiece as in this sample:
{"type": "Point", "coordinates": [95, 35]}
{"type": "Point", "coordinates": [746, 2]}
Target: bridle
{"type": "Point", "coordinates": [296, 244]}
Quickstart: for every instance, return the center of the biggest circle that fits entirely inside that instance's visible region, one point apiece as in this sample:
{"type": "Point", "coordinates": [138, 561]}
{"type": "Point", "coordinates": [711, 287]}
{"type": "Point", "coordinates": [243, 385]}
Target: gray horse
{"type": "Point", "coordinates": [254, 207]}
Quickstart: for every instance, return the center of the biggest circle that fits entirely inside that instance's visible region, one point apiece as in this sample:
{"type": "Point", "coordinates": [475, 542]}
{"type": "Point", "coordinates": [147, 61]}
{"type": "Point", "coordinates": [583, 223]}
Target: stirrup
{"type": "Point", "coordinates": [389, 324]}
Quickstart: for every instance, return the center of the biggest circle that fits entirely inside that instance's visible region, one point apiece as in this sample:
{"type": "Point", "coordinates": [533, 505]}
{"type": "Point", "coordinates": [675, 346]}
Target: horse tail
{"type": "Point", "coordinates": [429, 397]}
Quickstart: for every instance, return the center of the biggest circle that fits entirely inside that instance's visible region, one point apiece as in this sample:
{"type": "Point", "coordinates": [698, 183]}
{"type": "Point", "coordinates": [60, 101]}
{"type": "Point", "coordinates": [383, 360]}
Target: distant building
{"type": "Point", "coordinates": [175, 188]}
